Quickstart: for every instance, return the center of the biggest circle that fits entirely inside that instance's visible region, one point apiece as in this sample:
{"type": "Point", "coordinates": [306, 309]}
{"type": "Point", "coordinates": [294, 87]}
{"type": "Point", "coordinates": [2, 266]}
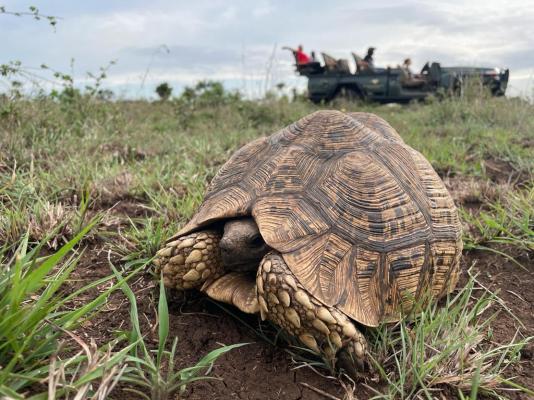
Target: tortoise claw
{"type": "Point", "coordinates": [353, 366]}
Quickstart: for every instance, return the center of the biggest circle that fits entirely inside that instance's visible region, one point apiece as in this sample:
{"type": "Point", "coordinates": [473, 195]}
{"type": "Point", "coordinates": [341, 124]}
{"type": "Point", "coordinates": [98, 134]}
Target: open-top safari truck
{"type": "Point", "coordinates": [334, 79]}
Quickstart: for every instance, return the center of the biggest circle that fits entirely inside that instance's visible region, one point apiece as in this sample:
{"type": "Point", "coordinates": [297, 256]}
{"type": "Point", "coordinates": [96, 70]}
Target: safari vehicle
{"type": "Point", "coordinates": [334, 79]}
{"type": "Point", "coordinates": [496, 79]}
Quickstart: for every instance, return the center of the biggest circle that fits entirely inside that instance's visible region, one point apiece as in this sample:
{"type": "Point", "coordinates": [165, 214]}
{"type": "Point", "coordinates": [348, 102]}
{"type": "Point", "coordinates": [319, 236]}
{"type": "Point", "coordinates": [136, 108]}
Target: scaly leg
{"type": "Point", "coordinates": [189, 261]}
{"type": "Point", "coordinates": [323, 329]}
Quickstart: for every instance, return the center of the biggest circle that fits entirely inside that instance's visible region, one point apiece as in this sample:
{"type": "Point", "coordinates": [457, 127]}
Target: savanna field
{"type": "Point", "coordinates": [90, 189]}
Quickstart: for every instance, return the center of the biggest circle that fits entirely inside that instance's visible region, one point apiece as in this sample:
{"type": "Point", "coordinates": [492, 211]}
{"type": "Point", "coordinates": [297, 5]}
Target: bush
{"type": "Point", "coordinates": [164, 91]}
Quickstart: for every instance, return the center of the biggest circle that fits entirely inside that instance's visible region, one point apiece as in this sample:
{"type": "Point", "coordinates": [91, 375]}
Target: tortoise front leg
{"type": "Point", "coordinates": [323, 329]}
{"type": "Point", "coordinates": [189, 261]}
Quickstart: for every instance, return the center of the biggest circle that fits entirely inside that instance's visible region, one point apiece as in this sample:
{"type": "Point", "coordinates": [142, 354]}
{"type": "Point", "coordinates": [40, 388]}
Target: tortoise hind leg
{"type": "Point", "coordinates": [323, 329]}
{"type": "Point", "coordinates": [189, 261]}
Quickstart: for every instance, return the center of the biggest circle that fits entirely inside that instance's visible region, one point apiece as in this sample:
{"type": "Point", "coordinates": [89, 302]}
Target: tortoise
{"type": "Point", "coordinates": [327, 227]}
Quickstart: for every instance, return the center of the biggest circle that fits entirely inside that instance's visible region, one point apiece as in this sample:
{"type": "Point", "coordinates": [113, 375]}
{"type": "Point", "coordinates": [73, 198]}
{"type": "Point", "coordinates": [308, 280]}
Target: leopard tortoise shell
{"type": "Point", "coordinates": [356, 227]}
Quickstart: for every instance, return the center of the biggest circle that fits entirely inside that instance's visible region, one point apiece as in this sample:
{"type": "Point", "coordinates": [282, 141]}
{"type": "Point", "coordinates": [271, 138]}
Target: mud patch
{"type": "Point", "coordinates": [504, 172]}
{"type": "Point", "coordinates": [513, 285]}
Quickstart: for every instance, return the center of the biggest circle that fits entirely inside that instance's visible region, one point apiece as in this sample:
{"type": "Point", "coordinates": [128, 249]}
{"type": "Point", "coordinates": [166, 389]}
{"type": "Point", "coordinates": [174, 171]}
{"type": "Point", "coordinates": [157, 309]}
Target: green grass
{"type": "Point", "coordinates": [445, 345]}
{"type": "Point", "coordinates": [507, 223]}
{"type": "Point", "coordinates": [140, 241]}
{"type": "Point", "coordinates": [33, 311]}
{"type": "Point", "coordinates": [64, 160]}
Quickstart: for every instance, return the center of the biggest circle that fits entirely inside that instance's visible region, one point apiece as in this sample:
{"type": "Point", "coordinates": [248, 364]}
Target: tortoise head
{"type": "Point", "coordinates": [242, 246]}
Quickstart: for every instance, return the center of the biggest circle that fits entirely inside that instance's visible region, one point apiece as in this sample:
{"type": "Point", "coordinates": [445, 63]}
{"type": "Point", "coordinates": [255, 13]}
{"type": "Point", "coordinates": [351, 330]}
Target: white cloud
{"type": "Point", "coordinates": [229, 40]}
{"type": "Point", "coordinates": [262, 9]}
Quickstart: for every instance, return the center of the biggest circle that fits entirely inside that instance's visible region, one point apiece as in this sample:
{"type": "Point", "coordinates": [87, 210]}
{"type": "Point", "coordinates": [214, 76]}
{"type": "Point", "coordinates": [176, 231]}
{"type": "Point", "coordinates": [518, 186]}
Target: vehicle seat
{"type": "Point", "coordinates": [425, 70]}
{"type": "Point", "coordinates": [361, 65]}
{"type": "Point", "coordinates": [358, 61]}
{"type": "Point", "coordinates": [343, 65]}
{"type": "Point", "coordinates": [330, 62]}
{"type": "Point", "coordinates": [435, 73]}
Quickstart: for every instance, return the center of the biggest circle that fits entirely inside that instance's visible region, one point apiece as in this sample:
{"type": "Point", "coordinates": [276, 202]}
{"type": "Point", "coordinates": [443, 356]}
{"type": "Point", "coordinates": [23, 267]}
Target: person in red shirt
{"type": "Point", "coordinates": [300, 56]}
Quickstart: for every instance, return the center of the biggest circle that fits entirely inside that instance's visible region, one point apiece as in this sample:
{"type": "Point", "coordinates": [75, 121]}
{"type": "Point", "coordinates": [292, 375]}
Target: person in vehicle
{"type": "Point", "coordinates": [368, 59]}
{"type": "Point", "coordinates": [301, 57]}
{"type": "Point", "coordinates": [407, 78]}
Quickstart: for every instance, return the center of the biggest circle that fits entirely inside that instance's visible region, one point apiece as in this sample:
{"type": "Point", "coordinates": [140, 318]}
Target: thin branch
{"type": "Point", "coordinates": [34, 13]}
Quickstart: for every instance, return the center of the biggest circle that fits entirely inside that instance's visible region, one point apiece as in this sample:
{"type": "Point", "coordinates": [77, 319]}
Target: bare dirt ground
{"type": "Point", "coordinates": [513, 286]}
{"type": "Point", "coordinates": [262, 371]}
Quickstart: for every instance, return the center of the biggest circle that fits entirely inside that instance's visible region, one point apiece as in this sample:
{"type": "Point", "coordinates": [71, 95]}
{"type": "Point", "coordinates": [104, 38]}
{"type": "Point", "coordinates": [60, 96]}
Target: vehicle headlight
{"type": "Point", "coordinates": [492, 72]}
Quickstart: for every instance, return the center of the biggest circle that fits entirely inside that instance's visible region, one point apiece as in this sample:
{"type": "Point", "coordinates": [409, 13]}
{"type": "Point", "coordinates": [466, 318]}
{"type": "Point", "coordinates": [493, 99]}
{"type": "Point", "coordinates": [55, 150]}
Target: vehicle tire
{"type": "Point", "coordinates": [316, 100]}
{"type": "Point", "coordinates": [458, 87]}
{"type": "Point", "coordinates": [348, 93]}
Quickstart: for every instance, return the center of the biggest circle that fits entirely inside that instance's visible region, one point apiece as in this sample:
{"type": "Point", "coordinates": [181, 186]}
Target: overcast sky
{"type": "Point", "coordinates": [239, 42]}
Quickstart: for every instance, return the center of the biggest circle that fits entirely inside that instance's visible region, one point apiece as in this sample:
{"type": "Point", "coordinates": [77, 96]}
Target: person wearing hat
{"type": "Point", "coordinates": [369, 58]}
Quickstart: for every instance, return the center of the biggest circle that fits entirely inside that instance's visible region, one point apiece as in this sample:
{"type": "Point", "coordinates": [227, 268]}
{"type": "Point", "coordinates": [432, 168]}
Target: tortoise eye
{"type": "Point", "coordinates": [256, 240]}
